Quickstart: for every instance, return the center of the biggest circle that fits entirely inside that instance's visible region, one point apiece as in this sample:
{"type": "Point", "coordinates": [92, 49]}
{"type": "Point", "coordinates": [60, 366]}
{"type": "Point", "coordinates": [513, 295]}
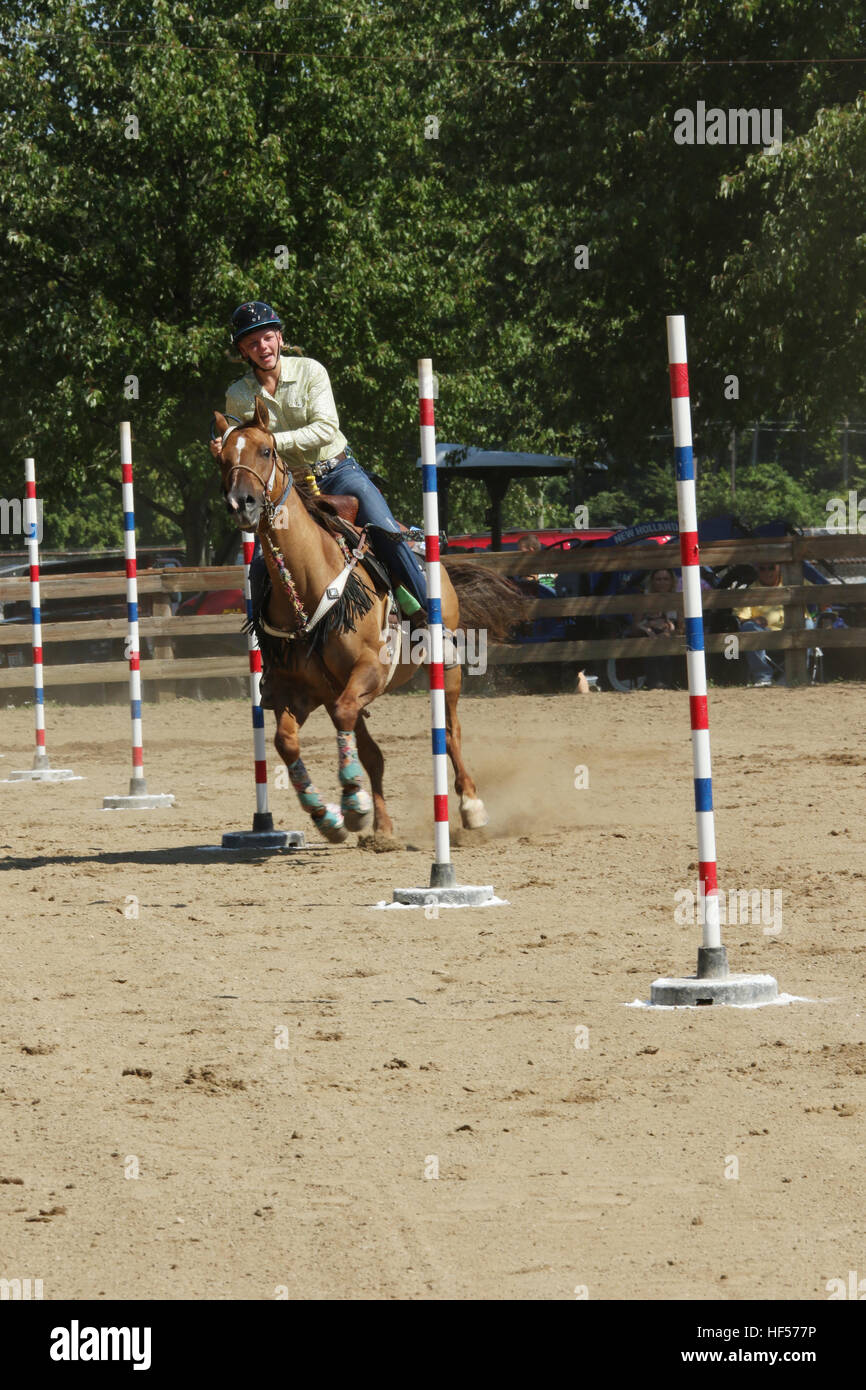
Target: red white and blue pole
{"type": "Point", "coordinates": [41, 771]}
{"type": "Point", "coordinates": [713, 983]}
{"type": "Point", "coordinates": [31, 531]}
{"type": "Point", "coordinates": [442, 874]}
{"type": "Point", "coordinates": [263, 835]}
{"type": "Point", "coordinates": [262, 820]}
{"type": "Point", "coordinates": [137, 784]}
{"type": "Point", "coordinates": [444, 888]}
{"type": "Point", "coordinates": [138, 794]}
{"type": "Point", "coordinates": [711, 957]}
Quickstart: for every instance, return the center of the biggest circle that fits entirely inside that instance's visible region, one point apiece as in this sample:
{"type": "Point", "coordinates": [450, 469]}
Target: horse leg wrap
{"type": "Point", "coordinates": [473, 812]}
{"type": "Point", "coordinates": [327, 818]}
{"type": "Point", "coordinates": [356, 804]}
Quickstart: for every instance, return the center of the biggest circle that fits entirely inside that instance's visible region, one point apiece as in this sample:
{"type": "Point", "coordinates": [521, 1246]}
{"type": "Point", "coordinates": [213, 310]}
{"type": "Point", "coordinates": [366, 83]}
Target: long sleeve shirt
{"type": "Point", "coordinates": [302, 413]}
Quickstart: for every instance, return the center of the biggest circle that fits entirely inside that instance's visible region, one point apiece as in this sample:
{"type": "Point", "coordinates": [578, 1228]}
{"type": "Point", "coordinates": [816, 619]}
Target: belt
{"type": "Point", "coordinates": [325, 466]}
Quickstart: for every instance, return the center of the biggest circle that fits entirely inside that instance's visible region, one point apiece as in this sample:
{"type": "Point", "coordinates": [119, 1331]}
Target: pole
{"type": "Point", "coordinates": [31, 531]}
{"type": "Point", "coordinates": [711, 956]}
{"type": "Point", "coordinates": [444, 889]}
{"type": "Point", "coordinates": [263, 835]}
{"type": "Point", "coordinates": [713, 981]}
{"type": "Point", "coordinates": [41, 771]}
{"type": "Point", "coordinates": [137, 784]}
{"type": "Point", "coordinates": [442, 872]}
{"type": "Point", "coordinates": [138, 794]}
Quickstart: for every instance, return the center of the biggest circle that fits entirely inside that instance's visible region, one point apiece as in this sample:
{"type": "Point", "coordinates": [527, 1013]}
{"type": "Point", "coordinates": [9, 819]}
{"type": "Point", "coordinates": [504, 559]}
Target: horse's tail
{"type": "Point", "coordinates": [487, 600]}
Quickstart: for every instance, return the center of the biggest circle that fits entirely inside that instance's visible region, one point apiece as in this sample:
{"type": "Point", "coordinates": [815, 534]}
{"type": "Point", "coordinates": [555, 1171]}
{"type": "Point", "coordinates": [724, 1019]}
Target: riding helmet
{"type": "Point", "coordinates": [248, 317]}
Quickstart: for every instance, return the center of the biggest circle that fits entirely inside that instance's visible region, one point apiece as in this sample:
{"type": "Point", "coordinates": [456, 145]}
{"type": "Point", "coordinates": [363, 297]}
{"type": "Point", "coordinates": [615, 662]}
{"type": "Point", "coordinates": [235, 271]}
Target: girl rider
{"type": "Point", "coordinates": [300, 403]}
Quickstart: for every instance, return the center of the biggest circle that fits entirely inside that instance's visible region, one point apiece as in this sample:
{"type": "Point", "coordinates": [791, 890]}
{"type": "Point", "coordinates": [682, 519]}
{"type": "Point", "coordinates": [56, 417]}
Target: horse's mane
{"type": "Point", "coordinates": [323, 512]}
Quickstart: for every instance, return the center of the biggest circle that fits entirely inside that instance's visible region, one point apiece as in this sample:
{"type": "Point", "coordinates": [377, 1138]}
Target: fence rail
{"type": "Point", "coordinates": [162, 628]}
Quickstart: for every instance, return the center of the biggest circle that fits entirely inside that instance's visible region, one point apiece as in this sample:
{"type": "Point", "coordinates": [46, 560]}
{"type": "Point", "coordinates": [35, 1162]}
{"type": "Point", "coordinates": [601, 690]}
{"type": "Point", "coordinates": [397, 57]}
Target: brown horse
{"type": "Point", "coordinates": [324, 647]}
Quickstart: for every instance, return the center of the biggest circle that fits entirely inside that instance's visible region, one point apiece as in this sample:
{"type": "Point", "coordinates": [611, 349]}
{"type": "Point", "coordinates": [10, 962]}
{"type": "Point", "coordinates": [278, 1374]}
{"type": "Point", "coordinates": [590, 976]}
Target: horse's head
{"type": "Point", "coordinates": [249, 465]}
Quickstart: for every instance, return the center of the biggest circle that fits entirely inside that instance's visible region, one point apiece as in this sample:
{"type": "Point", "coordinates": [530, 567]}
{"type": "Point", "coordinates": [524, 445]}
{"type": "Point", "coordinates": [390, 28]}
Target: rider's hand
{"type": "Point", "coordinates": [216, 447]}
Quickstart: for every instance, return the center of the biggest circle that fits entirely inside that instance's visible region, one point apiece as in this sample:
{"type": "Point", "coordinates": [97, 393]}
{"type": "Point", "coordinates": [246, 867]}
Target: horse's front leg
{"type": "Point", "coordinates": [364, 683]}
{"type": "Point", "coordinates": [326, 818]}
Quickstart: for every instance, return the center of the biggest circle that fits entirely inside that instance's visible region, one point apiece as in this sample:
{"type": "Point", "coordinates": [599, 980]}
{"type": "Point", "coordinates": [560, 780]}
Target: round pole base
{"type": "Point", "coordinates": [724, 989]}
{"type": "Point", "coordinates": [138, 802]}
{"type": "Point", "coordinates": [263, 839]}
{"type": "Point", "coordinates": [44, 774]}
{"type": "Point", "coordinates": [460, 895]}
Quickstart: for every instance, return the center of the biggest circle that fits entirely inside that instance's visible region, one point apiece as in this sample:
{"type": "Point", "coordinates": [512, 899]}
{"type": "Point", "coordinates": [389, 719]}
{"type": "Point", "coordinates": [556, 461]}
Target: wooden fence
{"type": "Point", "coordinates": [159, 625]}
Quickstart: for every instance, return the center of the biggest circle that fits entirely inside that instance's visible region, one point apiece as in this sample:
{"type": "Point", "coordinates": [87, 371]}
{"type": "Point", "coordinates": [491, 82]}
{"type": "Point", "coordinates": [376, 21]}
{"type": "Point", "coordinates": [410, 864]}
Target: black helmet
{"type": "Point", "coordinates": [250, 316]}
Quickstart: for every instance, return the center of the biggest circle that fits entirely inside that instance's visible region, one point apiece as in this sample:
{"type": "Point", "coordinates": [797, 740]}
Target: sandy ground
{"type": "Point", "coordinates": [284, 1067]}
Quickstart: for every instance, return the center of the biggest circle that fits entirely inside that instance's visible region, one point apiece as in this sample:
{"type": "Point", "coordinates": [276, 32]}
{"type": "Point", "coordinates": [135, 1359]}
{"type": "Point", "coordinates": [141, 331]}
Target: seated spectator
{"type": "Point", "coordinates": [662, 672]}
{"type": "Point", "coordinates": [529, 544]}
{"type": "Point", "coordinates": [769, 617]}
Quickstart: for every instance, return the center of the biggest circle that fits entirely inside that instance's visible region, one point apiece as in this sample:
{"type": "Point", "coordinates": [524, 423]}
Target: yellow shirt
{"type": "Point", "coordinates": [773, 612]}
{"type": "Point", "coordinates": [302, 413]}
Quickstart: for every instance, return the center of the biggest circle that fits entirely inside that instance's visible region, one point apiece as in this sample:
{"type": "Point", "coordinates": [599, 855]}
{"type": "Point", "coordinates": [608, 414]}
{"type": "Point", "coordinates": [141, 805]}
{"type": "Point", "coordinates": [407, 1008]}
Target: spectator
{"type": "Point", "coordinates": [661, 671]}
{"type": "Point", "coordinates": [529, 545]}
{"type": "Point", "coordinates": [765, 617]}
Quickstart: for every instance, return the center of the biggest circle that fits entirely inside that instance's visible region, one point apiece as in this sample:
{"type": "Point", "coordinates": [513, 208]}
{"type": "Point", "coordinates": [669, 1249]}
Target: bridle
{"type": "Point", "coordinates": [270, 508]}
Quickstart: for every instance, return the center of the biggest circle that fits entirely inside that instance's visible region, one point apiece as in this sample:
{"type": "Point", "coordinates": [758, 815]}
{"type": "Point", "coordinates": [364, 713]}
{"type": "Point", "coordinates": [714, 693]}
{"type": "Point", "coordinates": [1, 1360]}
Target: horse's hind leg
{"type": "Point", "coordinates": [328, 819]}
{"type": "Point", "coordinates": [473, 813]}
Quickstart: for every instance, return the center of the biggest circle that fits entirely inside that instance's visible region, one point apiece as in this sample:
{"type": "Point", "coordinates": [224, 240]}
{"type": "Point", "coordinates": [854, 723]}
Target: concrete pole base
{"type": "Point", "coordinates": [138, 802]}
{"type": "Point", "coordinates": [460, 895]}
{"type": "Point", "coordinates": [724, 989]}
{"type": "Point", "coordinates": [263, 839]}
{"type": "Point", "coordinates": [44, 774]}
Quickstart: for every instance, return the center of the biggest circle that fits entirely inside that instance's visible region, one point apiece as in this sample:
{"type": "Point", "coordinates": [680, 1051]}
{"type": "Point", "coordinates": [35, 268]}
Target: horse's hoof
{"type": "Point", "coordinates": [357, 809]}
{"type": "Point", "coordinates": [332, 825]}
{"type": "Point", "coordinates": [473, 812]}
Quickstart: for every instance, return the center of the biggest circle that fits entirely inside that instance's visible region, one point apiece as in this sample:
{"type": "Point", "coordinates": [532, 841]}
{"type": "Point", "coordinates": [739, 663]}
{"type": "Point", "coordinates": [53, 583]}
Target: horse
{"type": "Point", "coordinates": [324, 627]}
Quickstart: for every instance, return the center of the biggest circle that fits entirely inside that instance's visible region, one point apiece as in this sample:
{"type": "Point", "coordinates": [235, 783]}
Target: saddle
{"type": "Point", "coordinates": [344, 505]}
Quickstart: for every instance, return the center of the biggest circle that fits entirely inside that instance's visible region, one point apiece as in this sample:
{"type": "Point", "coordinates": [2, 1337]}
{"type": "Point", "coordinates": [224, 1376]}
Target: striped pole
{"type": "Point", "coordinates": [31, 531]}
{"type": "Point", "coordinates": [262, 820]}
{"type": "Point", "coordinates": [442, 873]}
{"type": "Point", "coordinates": [137, 785]}
{"type": "Point", "coordinates": [41, 771]}
{"type": "Point", "coordinates": [444, 888]}
{"type": "Point", "coordinates": [138, 793]}
{"type": "Point", "coordinates": [712, 960]}
{"type": "Point", "coordinates": [263, 835]}
{"type": "Point", "coordinates": [713, 983]}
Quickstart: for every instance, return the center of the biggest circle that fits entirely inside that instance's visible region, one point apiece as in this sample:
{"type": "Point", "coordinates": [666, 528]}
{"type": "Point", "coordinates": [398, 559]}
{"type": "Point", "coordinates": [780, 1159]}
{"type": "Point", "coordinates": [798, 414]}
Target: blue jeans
{"type": "Point", "coordinates": [761, 668]}
{"type": "Point", "coordinates": [349, 478]}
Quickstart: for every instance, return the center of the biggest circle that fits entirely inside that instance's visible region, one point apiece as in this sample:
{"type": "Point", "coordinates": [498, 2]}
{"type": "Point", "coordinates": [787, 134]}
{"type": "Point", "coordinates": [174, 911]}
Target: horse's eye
{"type": "Point", "coordinates": [264, 452]}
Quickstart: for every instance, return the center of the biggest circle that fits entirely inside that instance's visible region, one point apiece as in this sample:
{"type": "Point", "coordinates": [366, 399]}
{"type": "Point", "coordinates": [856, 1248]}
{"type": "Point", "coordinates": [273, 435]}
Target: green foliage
{"type": "Point", "coordinates": [312, 130]}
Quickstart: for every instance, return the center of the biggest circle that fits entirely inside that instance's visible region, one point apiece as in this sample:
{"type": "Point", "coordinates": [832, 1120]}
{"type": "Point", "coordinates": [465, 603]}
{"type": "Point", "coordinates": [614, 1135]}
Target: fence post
{"type": "Point", "coordinates": [163, 647]}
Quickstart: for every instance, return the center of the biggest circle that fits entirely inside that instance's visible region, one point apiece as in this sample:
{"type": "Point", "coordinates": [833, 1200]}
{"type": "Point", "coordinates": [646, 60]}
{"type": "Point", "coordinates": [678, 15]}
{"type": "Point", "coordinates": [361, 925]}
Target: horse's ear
{"type": "Point", "coordinates": [221, 424]}
{"type": "Point", "coordinates": [262, 418]}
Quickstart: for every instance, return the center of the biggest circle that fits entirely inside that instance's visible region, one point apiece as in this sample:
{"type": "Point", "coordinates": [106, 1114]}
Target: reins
{"type": "Point", "coordinates": [269, 513]}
